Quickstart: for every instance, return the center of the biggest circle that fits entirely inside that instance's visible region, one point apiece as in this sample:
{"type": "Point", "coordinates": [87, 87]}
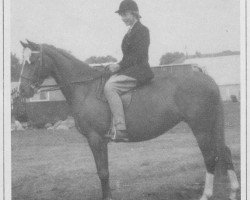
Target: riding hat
{"type": "Point", "coordinates": [128, 5]}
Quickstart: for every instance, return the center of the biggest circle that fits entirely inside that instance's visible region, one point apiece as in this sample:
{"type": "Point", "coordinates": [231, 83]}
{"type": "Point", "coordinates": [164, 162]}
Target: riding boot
{"type": "Point", "coordinates": [120, 136]}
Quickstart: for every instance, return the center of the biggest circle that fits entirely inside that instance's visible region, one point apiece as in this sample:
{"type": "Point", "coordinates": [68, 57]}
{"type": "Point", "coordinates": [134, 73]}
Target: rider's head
{"type": "Point", "coordinates": [129, 12]}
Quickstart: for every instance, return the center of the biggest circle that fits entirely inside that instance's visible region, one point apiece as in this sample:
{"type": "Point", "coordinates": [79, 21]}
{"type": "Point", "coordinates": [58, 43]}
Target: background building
{"type": "Point", "coordinates": [225, 70]}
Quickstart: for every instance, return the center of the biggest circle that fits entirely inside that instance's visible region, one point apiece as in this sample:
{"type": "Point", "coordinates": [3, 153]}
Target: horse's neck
{"type": "Point", "coordinates": [68, 71]}
{"type": "Point", "coordinates": [71, 69]}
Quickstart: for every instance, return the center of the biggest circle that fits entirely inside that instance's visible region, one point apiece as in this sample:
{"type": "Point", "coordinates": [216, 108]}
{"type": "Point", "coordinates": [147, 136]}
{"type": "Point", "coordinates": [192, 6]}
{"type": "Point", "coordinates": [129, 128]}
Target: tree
{"type": "Point", "coordinates": [15, 67]}
{"type": "Point", "coordinates": [169, 58]}
{"type": "Point", "coordinates": [100, 59]}
{"type": "Point", "coordinates": [198, 54]}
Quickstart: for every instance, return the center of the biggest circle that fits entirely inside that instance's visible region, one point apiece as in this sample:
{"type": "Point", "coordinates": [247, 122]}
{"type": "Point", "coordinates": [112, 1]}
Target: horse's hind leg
{"type": "Point", "coordinates": [224, 153]}
{"type": "Point", "coordinates": [207, 145]}
{"type": "Point", "coordinates": [225, 157]}
{"type": "Point", "coordinates": [234, 184]}
{"type": "Point", "coordinates": [227, 160]}
{"type": "Point", "coordinates": [208, 149]}
{"type": "Point", "coordinates": [209, 132]}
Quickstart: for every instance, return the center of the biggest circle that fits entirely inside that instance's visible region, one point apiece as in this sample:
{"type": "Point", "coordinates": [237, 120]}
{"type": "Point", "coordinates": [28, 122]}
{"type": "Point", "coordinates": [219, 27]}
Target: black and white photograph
{"type": "Point", "coordinates": [124, 100]}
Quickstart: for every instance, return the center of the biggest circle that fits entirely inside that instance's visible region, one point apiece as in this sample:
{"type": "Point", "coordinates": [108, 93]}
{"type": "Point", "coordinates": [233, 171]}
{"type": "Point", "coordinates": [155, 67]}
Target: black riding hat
{"type": "Point", "coordinates": [127, 5]}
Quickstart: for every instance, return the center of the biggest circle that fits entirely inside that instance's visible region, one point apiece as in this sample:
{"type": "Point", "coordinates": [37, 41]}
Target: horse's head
{"type": "Point", "coordinates": [34, 68]}
{"type": "Point", "coordinates": [42, 61]}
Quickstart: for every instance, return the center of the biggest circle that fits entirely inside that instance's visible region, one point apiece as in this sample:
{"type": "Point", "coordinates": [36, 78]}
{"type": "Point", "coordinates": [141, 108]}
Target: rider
{"type": "Point", "coordinates": [132, 70]}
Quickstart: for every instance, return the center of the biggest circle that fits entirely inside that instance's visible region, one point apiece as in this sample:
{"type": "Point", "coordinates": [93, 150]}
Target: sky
{"type": "Point", "coordinates": [91, 28]}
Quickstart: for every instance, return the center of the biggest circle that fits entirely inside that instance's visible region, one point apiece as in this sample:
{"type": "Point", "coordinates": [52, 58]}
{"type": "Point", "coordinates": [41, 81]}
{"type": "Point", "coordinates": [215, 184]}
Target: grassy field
{"type": "Point", "coordinates": [59, 165]}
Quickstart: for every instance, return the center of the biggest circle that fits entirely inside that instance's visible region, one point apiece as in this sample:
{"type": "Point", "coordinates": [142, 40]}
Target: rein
{"type": "Point", "coordinates": [58, 87]}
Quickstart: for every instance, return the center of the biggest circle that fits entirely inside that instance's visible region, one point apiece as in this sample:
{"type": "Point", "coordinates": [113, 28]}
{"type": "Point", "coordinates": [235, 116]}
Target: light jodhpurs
{"type": "Point", "coordinates": [114, 87]}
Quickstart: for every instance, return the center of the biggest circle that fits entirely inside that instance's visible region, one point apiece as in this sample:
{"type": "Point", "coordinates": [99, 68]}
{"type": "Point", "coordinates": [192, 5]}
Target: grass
{"type": "Point", "coordinates": [59, 165]}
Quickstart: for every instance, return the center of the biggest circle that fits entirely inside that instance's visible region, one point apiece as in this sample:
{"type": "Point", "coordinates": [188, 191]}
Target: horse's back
{"type": "Point", "coordinates": [167, 86]}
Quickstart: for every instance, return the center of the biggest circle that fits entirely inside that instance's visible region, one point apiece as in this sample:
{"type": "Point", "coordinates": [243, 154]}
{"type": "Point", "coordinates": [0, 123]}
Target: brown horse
{"type": "Point", "coordinates": [155, 108]}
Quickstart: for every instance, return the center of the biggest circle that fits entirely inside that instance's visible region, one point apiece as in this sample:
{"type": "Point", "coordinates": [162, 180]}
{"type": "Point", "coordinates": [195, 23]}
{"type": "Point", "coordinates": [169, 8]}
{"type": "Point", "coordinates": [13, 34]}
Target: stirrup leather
{"type": "Point", "coordinates": [112, 130]}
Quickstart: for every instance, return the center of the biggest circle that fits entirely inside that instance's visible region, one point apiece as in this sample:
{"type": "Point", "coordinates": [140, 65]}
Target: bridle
{"type": "Point", "coordinates": [30, 81]}
{"type": "Point", "coordinates": [37, 84]}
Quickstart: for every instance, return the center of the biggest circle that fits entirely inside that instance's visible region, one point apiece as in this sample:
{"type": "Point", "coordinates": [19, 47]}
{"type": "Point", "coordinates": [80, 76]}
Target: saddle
{"type": "Point", "coordinates": [126, 97]}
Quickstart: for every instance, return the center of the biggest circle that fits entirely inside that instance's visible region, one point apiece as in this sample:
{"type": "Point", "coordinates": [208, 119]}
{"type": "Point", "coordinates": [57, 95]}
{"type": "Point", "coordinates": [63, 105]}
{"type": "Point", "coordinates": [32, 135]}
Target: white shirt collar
{"type": "Point", "coordinates": [130, 27]}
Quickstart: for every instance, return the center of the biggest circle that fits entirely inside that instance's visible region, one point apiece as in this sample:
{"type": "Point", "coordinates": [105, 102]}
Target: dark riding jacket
{"type": "Point", "coordinates": [135, 46]}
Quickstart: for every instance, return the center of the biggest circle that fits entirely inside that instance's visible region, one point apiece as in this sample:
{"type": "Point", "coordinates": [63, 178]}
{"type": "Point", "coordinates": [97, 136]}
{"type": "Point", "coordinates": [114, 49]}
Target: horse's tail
{"type": "Point", "coordinates": [224, 157]}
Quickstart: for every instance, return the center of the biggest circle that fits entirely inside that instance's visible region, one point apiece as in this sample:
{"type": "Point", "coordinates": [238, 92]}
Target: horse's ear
{"type": "Point", "coordinates": [24, 44]}
{"type": "Point", "coordinates": [33, 45]}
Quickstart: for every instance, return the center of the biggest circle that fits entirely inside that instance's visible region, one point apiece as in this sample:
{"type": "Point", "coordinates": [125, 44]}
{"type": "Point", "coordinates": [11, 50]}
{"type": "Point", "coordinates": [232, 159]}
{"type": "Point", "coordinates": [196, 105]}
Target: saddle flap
{"type": "Point", "coordinates": [126, 98]}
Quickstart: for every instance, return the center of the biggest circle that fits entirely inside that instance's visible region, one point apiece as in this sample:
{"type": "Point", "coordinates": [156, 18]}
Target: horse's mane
{"type": "Point", "coordinates": [70, 56]}
{"type": "Point", "coordinates": [80, 68]}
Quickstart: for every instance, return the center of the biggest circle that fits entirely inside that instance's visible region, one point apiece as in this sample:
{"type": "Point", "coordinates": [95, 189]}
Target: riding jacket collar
{"type": "Point", "coordinates": [133, 28]}
{"type": "Point", "coordinates": [130, 27]}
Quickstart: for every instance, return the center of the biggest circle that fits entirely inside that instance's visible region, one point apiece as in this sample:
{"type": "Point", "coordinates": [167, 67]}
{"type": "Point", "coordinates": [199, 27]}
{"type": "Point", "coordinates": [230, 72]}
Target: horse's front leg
{"type": "Point", "coordinates": [99, 149]}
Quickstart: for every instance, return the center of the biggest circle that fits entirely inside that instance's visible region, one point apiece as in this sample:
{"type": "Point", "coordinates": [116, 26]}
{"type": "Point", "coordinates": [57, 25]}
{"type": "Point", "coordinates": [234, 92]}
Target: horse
{"type": "Point", "coordinates": [156, 107]}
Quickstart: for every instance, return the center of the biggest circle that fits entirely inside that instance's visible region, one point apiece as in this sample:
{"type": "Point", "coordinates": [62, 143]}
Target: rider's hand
{"type": "Point", "coordinates": [114, 67]}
